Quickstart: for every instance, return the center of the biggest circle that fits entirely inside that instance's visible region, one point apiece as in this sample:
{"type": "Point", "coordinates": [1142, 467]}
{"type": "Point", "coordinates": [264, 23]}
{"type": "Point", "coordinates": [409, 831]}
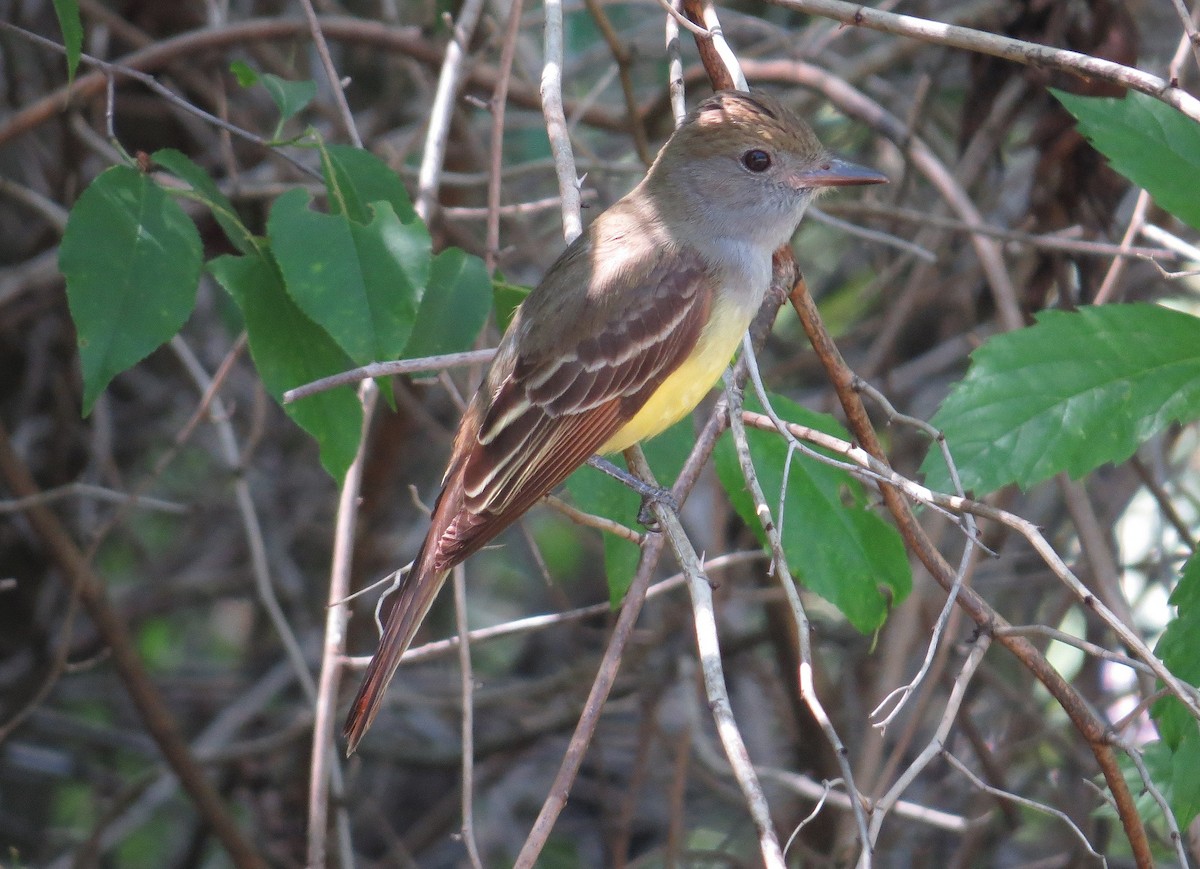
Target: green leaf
{"type": "Point", "coordinates": [290, 350]}
{"type": "Point", "coordinates": [1150, 143]}
{"type": "Point", "coordinates": [72, 31]}
{"type": "Point", "coordinates": [454, 308]}
{"type": "Point", "coordinates": [835, 545]}
{"type": "Point", "coordinates": [1179, 649]}
{"type": "Point", "coordinates": [361, 283]}
{"type": "Point", "coordinates": [159, 646]}
{"type": "Point", "coordinates": [205, 190]}
{"type": "Point", "coordinates": [1157, 760]}
{"type": "Point", "coordinates": [1070, 393]}
{"type": "Point", "coordinates": [354, 178]}
{"type": "Point", "coordinates": [506, 298]}
{"type": "Point", "coordinates": [290, 97]}
{"type": "Point", "coordinates": [132, 261]}
{"type": "Point", "coordinates": [245, 75]}
{"type": "Point", "coordinates": [1185, 778]}
{"type": "Point", "coordinates": [595, 492]}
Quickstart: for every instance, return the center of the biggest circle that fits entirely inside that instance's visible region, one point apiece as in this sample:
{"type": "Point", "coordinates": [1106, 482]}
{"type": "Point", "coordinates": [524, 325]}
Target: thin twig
{"type": "Point", "coordinates": [498, 105]}
{"type": "Point", "coordinates": [1071, 640]}
{"type": "Point", "coordinates": [58, 663]}
{"type": "Point", "coordinates": [709, 651]}
{"type": "Point", "coordinates": [1176, 71]}
{"type": "Point", "coordinates": [1026, 53]}
{"type": "Point", "coordinates": [1112, 277]}
{"type": "Point", "coordinates": [468, 715]}
{"type": "Point", "coordinates": [438, 648]}
{"type": "Point", "coordinates": [682, 20]}
{"type": "Point", "coordinates": [1190, 35]}
{"type": "Point", "coordinates": [973, 544]}
{"type": "Point", "coordinates": [1164, 805]}
{"type": "Point", "coordinates": [512, 209]}
{"type": "Point", "coordinates": [873, 235]}
{"type": "Point", "coordinates": [400, 40]}
{"type": "Point", "coordinates": [49, 210]}
{"type": "Point", "coordinates": [937, 743]}
{"type": "Point", "coordinates": [703, 12]}
{"type": "Point", "coordinates": [324, 757]}
{"type": "Point", "coordinates": [1086, 722]}
{"type": "Point", "coordinates": [108, 71]}
{"type": "Point", "coordinates": [1095, 547]}
{"type": "Point", "coordinates": [227, 447]}
{"type": "Point", "coordinates": [898, 697]}
{"type": "Point", "coordinates": [784, 575]}
{"type": "Point", "coordinates": [1165, 504]}
{"type": "Point", "coordinates": [602, 523]}
{"type": "Point", "coordinates": [389, 369]}
{"type": "Point", "coordinates": [1172, 242]}
{"type": "Point", "coordinates": [623, 58]}
{"type": "Point", "coordinates": [434, 153]}
{"type": "Point", "coordinates": [335, 82]}
{"type": "Point", "coordinates": [675, 61]}
{"type": "Point", "coordinates": [824, 792]}
{"type": "Point", "coordinates": [1031, 533]}
{"type": "Point", "coordinates": [1024, 801]}
{"type": "Point", "coordinates": [1044, 241]}
{"type": "Point", "coordinates": [556, 121]}
{"type": "Point", "coordinates": [99, 493]}
{"type": "Point", "coordinates": [720, 65]}
{"type": "Point", "coordinates": [556, 799]}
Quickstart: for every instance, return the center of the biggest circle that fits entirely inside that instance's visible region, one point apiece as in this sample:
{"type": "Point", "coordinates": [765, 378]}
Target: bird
{"type": "Point", "coordinates": [627, 331]}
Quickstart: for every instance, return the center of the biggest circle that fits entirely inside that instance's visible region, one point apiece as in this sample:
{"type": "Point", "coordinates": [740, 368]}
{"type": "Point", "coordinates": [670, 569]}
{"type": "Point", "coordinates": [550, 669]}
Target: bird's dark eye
{"type": "Point", "coordinates": [756, 160]}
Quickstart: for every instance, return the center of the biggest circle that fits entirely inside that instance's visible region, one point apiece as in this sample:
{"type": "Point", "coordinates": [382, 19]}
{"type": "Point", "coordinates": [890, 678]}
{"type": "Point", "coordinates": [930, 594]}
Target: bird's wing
{"type": "Point", "coordinates": [549, 410]}
{"type": "Point", "coordinates": [550, 400]}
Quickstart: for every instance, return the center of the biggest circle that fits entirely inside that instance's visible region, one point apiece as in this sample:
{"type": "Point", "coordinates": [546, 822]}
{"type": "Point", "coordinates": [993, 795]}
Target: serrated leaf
{"type": "Point", "coordinates": [835, 545]}
{"type": "Point", "coordinates": [1152, 144]}
{"type": "Point", "coordinates": [206, 190]}
{"type": "Point", "coordinates": [1173, 720]}
{"type": "Point", "coordinates": [132, 261]}
{"type": "Point", "coordinates": [1070, 393]}
{"type": "Point", "coordinates": [72, 31]}
{"type": "Point", "coordinates": [362, 283]}
{"type": "Point", "coordinates": [1185, 778]}
{"type": "Point", "coordinates": [1157, 760]}
{"type": "Point", "coordinates": [1186, 594]}
{"type": "Point", "coordinates": [1179, 649]}
{"type": "Point", "coordinates": [290, 97]}
{"type": "Point", "coordinates": [290, 350]}
{"type": "Point", "coordinates": [595, 492]}
{"type": "Point", "coordinates": [454, 308]}
{"type": "Point", "coordinates": [354, 178]}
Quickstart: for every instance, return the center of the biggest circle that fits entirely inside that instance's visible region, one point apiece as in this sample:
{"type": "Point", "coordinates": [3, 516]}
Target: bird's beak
{"type": "Point", "coordinates": [833, 172]}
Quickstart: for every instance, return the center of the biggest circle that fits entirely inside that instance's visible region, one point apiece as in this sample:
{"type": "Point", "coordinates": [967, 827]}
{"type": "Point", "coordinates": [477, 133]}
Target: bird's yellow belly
{"type": "Point", "coordinates": [690, 382]}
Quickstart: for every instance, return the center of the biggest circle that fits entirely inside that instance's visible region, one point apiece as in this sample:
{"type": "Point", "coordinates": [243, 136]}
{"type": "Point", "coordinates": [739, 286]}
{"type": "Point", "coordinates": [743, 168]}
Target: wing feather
{"type": "Point", "coordinates": [554, 407]}
{"type": "Point", "coordinates": [553, 396]}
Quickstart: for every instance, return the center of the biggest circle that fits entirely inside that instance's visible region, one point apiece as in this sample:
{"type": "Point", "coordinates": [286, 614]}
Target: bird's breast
{"type": "Point", "coordinates": [683, 388]}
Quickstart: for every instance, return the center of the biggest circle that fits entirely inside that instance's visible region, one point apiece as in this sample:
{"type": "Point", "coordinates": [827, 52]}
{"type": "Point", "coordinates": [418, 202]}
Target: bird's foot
{"type": "Point", "coordinates": [651, 495]}
{"type": "Point", "coordinates": [646, 517]}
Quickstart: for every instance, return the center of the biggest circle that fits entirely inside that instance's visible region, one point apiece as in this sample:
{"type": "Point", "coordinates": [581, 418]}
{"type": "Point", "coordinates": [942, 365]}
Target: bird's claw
{"type": "Point", "coordinates": [646, 517]}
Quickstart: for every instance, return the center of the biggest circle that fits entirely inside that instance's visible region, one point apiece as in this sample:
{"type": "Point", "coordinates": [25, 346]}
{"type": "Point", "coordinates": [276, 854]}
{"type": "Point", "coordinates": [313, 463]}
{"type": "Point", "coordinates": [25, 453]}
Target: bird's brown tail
{"type": "Point", "coordinates": [416, 595]}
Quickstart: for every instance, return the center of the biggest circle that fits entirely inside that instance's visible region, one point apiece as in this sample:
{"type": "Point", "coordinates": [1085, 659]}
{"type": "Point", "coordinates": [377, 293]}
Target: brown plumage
{"type": "Point", "coordinates": [663, 283]}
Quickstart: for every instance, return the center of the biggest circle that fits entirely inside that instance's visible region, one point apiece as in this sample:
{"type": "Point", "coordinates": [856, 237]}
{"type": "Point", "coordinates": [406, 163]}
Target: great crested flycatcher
{"type": "Point", "coordinates": [628, 330]}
